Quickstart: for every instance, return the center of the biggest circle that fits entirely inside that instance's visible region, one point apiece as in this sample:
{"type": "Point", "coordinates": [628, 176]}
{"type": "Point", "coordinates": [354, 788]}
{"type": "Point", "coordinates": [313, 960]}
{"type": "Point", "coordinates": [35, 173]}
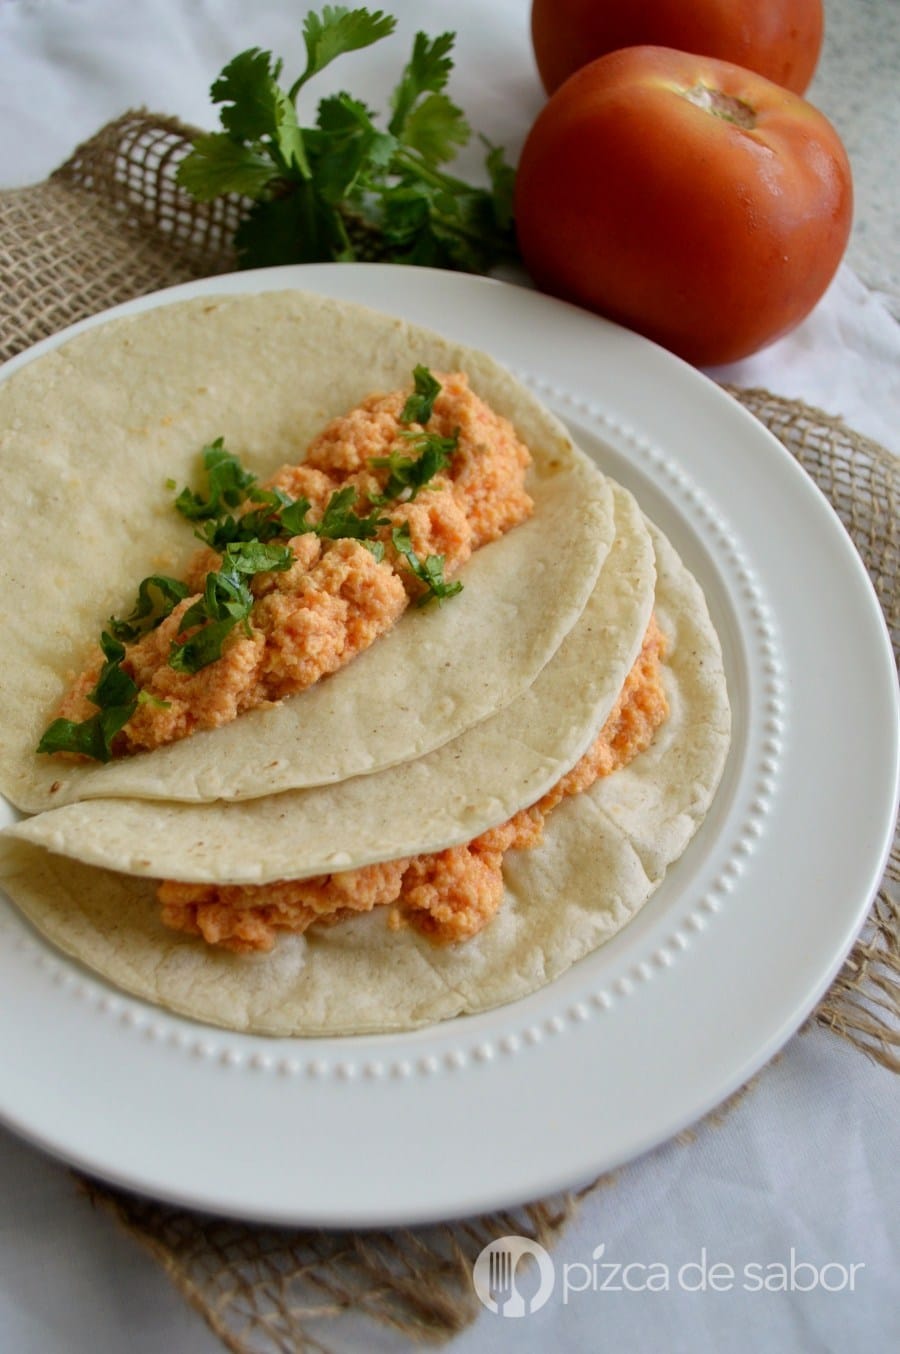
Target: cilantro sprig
{"type": "Point", "coordinates": [226, 602]}
{"type": "Point", "coordinates": [419, 405]}
{"type": "Point", "coordinates": [344, 187]}
{"type": "Point", "coordinates": [149, 611]}
{"type": "Point", "coordinates": [409, 474]}
{"type": "Point", "coordinates": [231, 486]}
{"type": "Point", "coordinates": [228, 484]}
{"type": "Point", "coordinates": [429, 571]}
{"type": "Point", "coordinates": [339, 519]}
{"type": "Point", "coordinates": [116, 696]}
{"type": "Point", "coordinates": [262, 523]}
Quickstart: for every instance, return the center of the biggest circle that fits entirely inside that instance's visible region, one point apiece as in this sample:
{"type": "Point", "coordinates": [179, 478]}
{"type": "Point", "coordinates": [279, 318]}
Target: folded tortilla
{"type": "Point", "coordinates": [604, 853]}
{"type": "Point", "coordinates": [91, 432]}
{"type": "Point", "coordinates": [479, 779]}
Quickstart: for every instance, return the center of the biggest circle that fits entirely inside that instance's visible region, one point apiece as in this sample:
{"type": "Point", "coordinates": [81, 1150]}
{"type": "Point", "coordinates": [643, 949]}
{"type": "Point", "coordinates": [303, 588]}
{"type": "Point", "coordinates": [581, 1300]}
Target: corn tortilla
{"type": "Point", "coordinates": [604, 853]}
{"type": "Point", "coordinates": [91, 432]}
{"type": "Point", "coordinates": [450, 795]}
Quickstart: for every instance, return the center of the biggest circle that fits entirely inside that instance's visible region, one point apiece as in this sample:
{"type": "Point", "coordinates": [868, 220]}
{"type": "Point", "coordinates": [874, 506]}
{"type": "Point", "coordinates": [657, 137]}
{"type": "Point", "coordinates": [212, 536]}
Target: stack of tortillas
{"type": "Point", "coordinates": [447, 726]}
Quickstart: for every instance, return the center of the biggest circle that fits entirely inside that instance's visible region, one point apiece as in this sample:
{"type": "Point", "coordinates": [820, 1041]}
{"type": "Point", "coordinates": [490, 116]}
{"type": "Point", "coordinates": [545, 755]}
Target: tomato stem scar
{"type": "Point", "coordinates": [721, 105]}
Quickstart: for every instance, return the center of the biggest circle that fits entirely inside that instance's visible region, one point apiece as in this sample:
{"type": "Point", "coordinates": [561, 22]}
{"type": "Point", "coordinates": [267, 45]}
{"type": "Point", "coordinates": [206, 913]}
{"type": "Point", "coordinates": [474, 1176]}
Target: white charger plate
{"type": "Point", "coordinates": [651, 1031]}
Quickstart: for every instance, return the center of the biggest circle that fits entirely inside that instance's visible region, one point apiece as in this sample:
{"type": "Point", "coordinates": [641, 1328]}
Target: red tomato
{"type": "Point", "coordinates": [684, 197]}
{"type": "Point", "coordinates": [780, 39]}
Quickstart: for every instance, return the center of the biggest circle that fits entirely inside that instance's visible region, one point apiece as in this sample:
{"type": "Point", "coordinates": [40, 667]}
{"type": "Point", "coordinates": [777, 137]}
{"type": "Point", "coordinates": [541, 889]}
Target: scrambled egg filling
{"type": "Point", "coordinates": [336, 598]}
{"type": "Point", "coordinates": [449, 895]}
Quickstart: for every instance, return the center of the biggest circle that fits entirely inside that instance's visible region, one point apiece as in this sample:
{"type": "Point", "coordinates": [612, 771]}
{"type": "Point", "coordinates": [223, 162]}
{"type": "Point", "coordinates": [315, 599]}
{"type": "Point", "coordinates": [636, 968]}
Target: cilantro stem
{"type": "Point", "coordinates": [404, 159]}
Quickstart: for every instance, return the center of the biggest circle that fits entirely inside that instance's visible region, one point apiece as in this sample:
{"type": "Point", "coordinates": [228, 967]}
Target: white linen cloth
{"type": "Point", "coordinates": [806, 1165]}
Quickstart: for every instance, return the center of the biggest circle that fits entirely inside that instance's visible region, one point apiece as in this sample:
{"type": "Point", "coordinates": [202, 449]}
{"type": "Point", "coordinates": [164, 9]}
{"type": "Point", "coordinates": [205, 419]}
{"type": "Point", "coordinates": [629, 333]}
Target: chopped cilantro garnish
{"type": "Point", "coordinates": [344, 187]}
{"type": "Point", "coordinates": [256, 524]}
{"type": "Point", "coordinates": [202, 648]}
{"type": "Point", "coordinates": [339, 521]}
{"type": "Point", "coordinates": [88, 737]}
{"type": "Point", "coordinates": [277, 515]}
{"type": "Point", "coordinates": [116, 696]}
{"type": "Point", "coordinates": [145, 698]}
{"type": "Point", "coordinates": [420, 405]}
{"type": "Point", "coordinates": [149, 611]}
{"type": "Point", "coordinates": [226, 597]}
{"type": "Point", "coordinates": [229, 484]}
{"type": "Point", "coordinates": [429, 571]}
{"type": "Point", "coordinates": [226, 602]}
{"type": "Point", "coordinates": [293, 517]}
{"type": "Point", "coordinates": [256, 557]}
{"type": "Point", "coordinates": [114, 688]}
{"type": "Point", "coordinates": [409, 474]}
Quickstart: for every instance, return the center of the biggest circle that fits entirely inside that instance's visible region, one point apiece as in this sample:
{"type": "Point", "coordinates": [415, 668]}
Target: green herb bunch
{"type": "Point", "coordinates": [346, 188]}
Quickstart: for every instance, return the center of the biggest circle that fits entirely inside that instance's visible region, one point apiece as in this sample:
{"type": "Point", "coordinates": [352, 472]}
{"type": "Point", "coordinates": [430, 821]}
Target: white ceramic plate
{"type": "Point", "coordinates": [648, 1033]}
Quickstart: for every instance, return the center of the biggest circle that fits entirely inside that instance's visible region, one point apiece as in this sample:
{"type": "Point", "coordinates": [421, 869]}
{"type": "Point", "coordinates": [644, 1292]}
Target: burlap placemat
{"type": "Point", "coordinates": [109, 225]}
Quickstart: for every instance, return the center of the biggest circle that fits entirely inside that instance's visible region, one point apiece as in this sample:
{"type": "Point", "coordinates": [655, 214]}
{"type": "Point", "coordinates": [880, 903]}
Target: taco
{"type": "Point", "coordinates": [573, 868]}
{"type": "Point", "coordinates": [92, 437]}
{"type": "Point", "coordinates": [477, 780]}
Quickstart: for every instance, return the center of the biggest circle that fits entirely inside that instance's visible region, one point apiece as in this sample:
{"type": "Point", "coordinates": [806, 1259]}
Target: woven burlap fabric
{"type": "Point", "coordinates": [109, 225]}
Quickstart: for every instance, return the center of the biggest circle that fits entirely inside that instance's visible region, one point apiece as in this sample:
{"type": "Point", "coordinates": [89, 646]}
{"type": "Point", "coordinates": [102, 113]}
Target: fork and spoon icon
{"type": "Point", "coordinates": [502, 1285]}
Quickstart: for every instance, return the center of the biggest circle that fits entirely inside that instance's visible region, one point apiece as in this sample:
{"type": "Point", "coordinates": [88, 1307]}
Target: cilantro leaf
{"type": "Point", "coordinates": [218, 165]}
{"type": "Point", "coordinates": [436, 128]}
{"type": "Point", "coordinates": [113, 688]}
{"type": "Point", "coordinates": [248, 87]}
{"type": "Point", "coordinates": [149, 611]}
{"type": "Point", "coordinates": [257, 109]}
{"type": "Point", "coordinates": [427, 71]}
{"type": "Point", "coordinates": [116, 696]}
{"type": "Point", "coordinates": [336, 31]}
{"type": "Point", "coordinates": [300, 227]}
{"type": "Point", "coordinates": [464, 225]}
{"type": "Point", "coordinates": [347, 146]}
{"type": "Point", "coordinates": [420, 405]}
{"type": "Point", "coordinates": [409, 474]}
{"type": "Point", "coordinates": [429, 571]}
{"type": "Point", "coordinates": [293, 517]}
{"type": "Point", "coordinates": [256, 524]}
{"type": "Point", "coordinates": [427, 224]}
{"type": "Point", "coordinates": [227, 601]}
{"type": "Point", "coordinates": [202, 648]}
{"type": "Point", "coordinates": [342, 115]}
{"type": "Point", "coordinates": [254, 557]}
{"type": "Point", "coordinates": [87, 737]}
{"type": "Point", "coordinates": [229, 484]}
{"type": "Point", "coordinates": [226, 597]}
{"type": "Point", "coordinates": [338, 520]}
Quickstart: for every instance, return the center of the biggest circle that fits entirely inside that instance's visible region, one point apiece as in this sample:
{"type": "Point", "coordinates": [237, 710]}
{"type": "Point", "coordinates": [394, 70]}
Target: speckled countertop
{"type": "Point", "coordinates": [857, 86]}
